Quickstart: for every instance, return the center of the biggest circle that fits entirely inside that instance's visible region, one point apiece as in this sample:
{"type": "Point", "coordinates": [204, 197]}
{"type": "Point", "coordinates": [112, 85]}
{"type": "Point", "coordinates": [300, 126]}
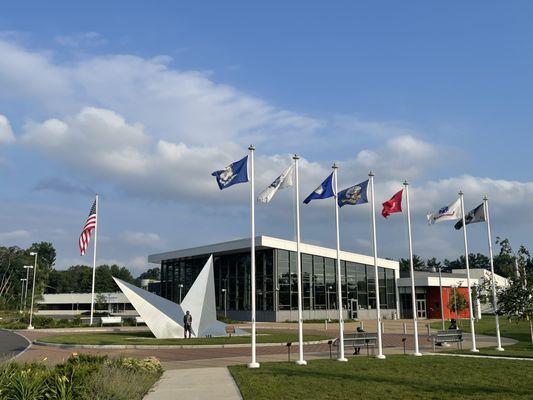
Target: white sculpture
{"type": "Point", "coordinates": [165, 318]}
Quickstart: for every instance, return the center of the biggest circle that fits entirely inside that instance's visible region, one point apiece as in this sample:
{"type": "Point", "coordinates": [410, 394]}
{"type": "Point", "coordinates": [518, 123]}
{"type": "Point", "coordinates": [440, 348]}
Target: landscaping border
{"type": "Point", "coordinates": [168, 346]}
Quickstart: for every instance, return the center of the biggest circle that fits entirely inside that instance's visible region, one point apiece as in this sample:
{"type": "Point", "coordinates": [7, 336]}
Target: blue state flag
{"type": "Point", "coordinates": [354, 195]}
{"type": "Point", "coordinates": [234, 173]}
{"type": "Point", "coordinates": [324, 191]}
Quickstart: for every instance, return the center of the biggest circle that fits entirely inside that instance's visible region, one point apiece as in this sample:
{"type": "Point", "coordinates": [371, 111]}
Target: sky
{"type": "Point", "coordinates": [141, 102]}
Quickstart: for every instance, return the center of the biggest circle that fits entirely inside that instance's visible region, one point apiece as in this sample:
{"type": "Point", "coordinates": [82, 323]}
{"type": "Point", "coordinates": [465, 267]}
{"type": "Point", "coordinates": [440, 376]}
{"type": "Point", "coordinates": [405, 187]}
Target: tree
{"type": "Point", "coordinates": [515, 301]}
{"type": "Point", "coordinates": [418, 264]}
{"type": "Point", "coordinates": [100, 302]}
{"type": "Point", "coordinates": [152, 273]}
{"type": "Point", "coordinates": [433, 264]}
{"type": "Point", "coordinates": [457, 302]}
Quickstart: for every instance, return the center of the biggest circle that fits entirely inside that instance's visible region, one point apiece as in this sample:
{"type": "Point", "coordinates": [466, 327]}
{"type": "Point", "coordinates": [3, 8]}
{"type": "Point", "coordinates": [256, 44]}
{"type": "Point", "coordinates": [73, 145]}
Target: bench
{"type": "Point", "coordinates": [448, 336]}
{"type": "Point", "coordinates": [139, 320]}
{"type": "Point", "coordinates": [110, 321]}
{"type": "Point", "coordinates": [358, 340]}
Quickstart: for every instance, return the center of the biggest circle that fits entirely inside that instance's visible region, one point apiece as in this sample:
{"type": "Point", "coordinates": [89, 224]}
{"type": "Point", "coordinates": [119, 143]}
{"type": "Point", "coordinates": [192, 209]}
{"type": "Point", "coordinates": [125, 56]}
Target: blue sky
{"type": "Point", "coordinates": [141, 102]}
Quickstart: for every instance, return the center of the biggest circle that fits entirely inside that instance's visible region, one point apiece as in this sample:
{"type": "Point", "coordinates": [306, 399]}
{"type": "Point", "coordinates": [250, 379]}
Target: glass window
{"type": "Point", "coordinates": [319, 283]}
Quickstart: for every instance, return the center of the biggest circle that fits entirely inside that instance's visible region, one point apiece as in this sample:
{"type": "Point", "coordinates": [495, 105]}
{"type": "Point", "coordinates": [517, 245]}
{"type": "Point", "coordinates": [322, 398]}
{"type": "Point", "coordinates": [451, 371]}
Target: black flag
{"type": "Point", "coordinates": [476, 215]}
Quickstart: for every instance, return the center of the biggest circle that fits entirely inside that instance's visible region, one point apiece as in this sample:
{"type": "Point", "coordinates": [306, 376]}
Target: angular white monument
{"type": "Point", "coordinates": [165, 318]}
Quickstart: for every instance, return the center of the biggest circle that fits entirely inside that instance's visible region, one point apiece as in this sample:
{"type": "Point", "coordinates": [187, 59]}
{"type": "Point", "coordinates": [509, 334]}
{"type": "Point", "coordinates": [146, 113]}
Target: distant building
{"type": "Point", "coordinates": [69, 304]}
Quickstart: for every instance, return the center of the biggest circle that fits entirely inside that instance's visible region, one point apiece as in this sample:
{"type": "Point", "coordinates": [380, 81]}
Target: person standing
{"type": "Point", "coordinates": [187, 324]}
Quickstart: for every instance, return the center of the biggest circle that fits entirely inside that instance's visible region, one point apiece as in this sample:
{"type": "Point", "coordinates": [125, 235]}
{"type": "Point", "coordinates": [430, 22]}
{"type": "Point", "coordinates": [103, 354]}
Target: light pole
{"type": "Point", "coordinates": [181, 287]}
{"type": "Point", "coordinates": [225, 310]}
{"type": "Point", "coordinates": [27, 268]}
{"type": "Point", "coordinates": [328, 288]}
{"type": "Point", "coordinates": [22, 280]}
{"type": "Point", "coordinates": [33, 253]}
{"type": "Point", "coordinates": [441, 299]}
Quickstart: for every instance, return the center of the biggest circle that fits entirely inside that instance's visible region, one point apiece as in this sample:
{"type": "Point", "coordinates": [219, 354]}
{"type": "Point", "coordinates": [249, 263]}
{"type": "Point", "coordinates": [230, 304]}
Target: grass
{"type": "Point", "coordinates": [514, 330]}
{"type": "Point", "coordinates": [147, 338]}
{"type": "Point", "coordinates": [397, 377]}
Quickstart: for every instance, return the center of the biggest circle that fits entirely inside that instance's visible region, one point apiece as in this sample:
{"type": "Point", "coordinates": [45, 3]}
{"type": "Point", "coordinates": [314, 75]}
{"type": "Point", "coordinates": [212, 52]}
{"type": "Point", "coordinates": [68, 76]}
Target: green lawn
{"type": "Point", "coordinates": [486, 326]}
{"type": "Point", "coordinates": [146, 338]}
{"type": "Point", "coordinates": [397, 377]}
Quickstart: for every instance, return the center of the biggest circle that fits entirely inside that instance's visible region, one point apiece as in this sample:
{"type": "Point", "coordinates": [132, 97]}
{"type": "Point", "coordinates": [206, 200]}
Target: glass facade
{"type": "Point", "coordinates": [276, 281]}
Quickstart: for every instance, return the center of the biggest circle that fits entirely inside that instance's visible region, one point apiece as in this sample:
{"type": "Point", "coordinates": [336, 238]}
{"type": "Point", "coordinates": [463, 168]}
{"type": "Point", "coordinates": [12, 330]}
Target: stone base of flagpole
{"type": "Point", "coordinates": [301, 362]}
{"type": "Point", "coordinates": [417, 354]}
{"type": "Point", "coordinates": [499, 349]}
{"type": "Point", "coordinates": [254, 365]}
{"type": "Point", "coordinates": [342, 359]}
{"type": "Point", "coordinates": [381, 356]}
{"type": "Point", "coordinates": [474, 350]}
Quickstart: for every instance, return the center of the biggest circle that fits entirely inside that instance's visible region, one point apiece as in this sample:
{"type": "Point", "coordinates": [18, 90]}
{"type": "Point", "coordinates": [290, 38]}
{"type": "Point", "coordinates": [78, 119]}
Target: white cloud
{"type": "Point", "coordinates": [14, 237]}
{"type": "Point", "coordinates": [147, 239]}
{"type": "Point", "coordinates": [83, 39]}
{"type": "Point", "coordinates": [6, 133]}
{"type": "Point", "coordinates": [401, 157]}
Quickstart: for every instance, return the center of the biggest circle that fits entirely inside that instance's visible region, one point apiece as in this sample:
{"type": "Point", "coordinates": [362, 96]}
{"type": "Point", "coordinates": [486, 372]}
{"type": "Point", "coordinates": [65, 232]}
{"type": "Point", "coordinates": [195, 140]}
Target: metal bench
{"type": "Point", "coordinates": [448, 336]}
{"type": "Point", "coordinates": [358, 340]}
{"type": "Point", "coordinates": [110, 321]}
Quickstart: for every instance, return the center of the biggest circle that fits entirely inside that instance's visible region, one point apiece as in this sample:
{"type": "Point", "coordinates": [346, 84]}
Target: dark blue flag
{"type": "Point", "coordinates": [354, 195]}
{"type": "Point", "coordinates": [234, 173]}
{"type": "Point", "coordinates": [324, 191]}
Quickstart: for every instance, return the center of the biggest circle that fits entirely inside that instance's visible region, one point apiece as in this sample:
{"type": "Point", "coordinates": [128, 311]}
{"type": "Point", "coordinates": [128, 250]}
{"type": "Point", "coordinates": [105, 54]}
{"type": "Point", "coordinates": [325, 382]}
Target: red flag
{"type": "Point", "coordinates": [393, 205]}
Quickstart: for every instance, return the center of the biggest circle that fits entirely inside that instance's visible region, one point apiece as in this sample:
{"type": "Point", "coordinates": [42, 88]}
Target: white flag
{"type": "Point", "coordinates": [451, 212]}
{"type": "Point", "coordinates": [283, 181]}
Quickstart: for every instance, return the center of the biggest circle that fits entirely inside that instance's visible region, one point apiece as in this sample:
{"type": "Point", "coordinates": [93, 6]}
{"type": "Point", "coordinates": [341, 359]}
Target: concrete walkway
{"type": "Point", "coordinates": [197, 384]}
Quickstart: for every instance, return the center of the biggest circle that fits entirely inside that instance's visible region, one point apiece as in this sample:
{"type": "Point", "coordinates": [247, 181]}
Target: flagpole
{"type": "Point", "coordinates": [339, 283]}
{"type": "Point", "coordinates": [94, 258]}
{"type": "Point", "coordinates": [300, 360]}
{"type": "Point", "coordinates": [253, 363]}
{"type": "Point", "coordinates": [411, 269]}
{"type": "Point", "coordinates": [494, 297]}
{"type": "Point", "coordinates": [470, 308]}
{"type": "Point", "coordinates": [375, 250]}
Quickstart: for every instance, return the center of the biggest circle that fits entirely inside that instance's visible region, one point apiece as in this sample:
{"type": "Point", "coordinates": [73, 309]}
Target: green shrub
{"type": "Point", "coordinates": [82, 376]}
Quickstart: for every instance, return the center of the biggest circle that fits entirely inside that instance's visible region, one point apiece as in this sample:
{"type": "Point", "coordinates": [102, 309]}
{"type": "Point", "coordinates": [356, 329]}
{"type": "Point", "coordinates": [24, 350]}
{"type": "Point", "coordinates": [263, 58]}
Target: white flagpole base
{"type": "Point", "coordinates": [254, 365]}
{"type": "Point", "coordinates": [381, 356]}
{"type": "Point", "coordinates": [342, 359]}
{"type": "Point", "coordinates": [301, 362]}
{"type": "Point", "coordinates": [474, 350]}
{"type": "Point", "coordinates": [500, 349]}
{"type": "Point", "coordinates": [30, 327]}
{"type": "Point", "coordinates": [417, 354]}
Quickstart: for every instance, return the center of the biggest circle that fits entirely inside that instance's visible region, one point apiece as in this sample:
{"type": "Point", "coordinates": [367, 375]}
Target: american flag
{"type": "Point", "coordinates": [90, 224]}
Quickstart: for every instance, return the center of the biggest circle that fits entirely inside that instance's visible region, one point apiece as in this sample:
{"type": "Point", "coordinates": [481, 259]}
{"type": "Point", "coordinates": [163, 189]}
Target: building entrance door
{"type": "Point", "coordinates": [421, 308]}
{"type": "Point", "coordinates": [353, 308]}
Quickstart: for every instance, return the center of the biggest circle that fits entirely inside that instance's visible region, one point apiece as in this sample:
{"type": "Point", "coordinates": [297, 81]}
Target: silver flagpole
{"type": "Point", "coordinates": [339, 277]}
{"type": "Point", "coordinates": [494, 297]}
{"type": "Point", "coordinates": [470, 307]}
{"type": "Point", "coordinates": [300, 360]}
{"type": "Point", "coordinates": [375, 250]}
{"type": "Point", "coordinates": [411, 269]}
{"type": "Point", "coordinates": [253, 363]}
{"type": "Point", "coordinates": [94, 259]}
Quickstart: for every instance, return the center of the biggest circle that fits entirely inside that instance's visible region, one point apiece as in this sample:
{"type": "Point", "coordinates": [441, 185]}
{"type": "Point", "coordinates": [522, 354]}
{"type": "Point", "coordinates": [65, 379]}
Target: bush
{"type": "Point", "coordinates": [83, 376]}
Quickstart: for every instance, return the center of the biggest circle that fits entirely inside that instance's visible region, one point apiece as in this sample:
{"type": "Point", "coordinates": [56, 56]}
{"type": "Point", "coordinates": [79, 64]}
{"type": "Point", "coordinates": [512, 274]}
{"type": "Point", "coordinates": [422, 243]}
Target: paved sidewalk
{"type": "Point", "coordinates": [197, 384]}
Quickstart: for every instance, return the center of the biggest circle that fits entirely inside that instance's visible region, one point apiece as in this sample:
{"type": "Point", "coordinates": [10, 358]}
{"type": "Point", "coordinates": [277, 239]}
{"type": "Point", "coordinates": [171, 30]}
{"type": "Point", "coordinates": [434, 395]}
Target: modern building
{"type": "Point", "coordinates": [276, 280]}
{"type": "Point", "coordinates": [428, 287]}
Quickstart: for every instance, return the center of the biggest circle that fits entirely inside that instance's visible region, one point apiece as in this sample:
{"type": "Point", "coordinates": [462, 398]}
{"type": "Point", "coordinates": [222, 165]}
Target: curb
{"type": "Point", "coordinates": [22, 336]}
{"type": "Point", "coordinates": [480, 356]}
{"type": "Point", "coordinates": [167, 347]}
